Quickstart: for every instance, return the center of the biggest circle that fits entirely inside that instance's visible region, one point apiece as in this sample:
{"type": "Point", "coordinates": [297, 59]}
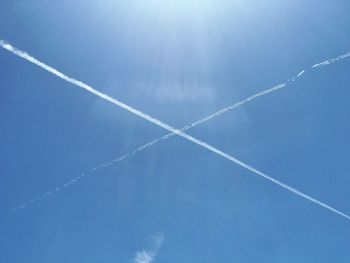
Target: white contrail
{"type": "Point", "coordinates": [147, 145]}
{"type": "Point", "coordinates": [68, 183]}
{"type": "Point", "coordinates": [167, 127]}
{"type": "Point", "coordinates": [327, 62]}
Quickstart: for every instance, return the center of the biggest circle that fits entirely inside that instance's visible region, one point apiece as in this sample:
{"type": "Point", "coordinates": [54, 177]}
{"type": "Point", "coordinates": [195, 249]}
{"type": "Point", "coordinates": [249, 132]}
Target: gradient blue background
{"type": "Point", "coordinates": [178, 61]}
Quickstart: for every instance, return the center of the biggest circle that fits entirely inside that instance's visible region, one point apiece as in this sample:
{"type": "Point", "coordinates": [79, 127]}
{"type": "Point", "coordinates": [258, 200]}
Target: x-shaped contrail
{"type": "Point", "coordinates": [171, 129]}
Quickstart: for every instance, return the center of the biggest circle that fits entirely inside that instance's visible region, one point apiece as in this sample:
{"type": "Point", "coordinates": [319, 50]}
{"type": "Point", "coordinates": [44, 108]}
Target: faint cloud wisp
{"type": "Point", "coordinates": [148, 256]}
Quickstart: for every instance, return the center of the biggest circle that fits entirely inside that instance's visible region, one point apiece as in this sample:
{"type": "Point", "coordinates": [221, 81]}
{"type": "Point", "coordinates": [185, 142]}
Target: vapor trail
{"type": "Point", "coordinates": [171, 129]}
{"type": "Point", "coordinates": [327, 62]}
{"type": "Point", "coordinates": [145, 146]}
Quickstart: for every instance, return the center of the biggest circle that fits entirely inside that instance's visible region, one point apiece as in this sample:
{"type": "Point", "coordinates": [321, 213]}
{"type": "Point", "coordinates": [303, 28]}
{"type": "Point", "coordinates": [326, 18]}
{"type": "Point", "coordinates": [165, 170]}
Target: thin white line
{"type": "Point", "coordinates": [165, 126]}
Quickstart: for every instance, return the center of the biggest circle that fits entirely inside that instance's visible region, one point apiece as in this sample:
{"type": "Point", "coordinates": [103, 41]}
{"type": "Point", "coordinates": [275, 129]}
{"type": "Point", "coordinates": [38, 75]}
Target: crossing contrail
{"type": "Point", "coordinates": [145, 146]}
{"type": "Point", "coordinates": [171, 129]}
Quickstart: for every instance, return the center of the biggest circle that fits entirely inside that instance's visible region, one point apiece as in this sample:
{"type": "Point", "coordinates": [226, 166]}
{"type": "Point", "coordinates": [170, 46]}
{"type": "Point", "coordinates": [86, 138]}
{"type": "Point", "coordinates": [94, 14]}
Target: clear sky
{"type": "Point", "coordinates": [178, 61]}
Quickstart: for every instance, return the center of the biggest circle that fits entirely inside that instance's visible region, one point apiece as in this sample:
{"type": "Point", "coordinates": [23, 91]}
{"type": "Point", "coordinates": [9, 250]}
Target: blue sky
{"type": "Point", "coordinates": [177, 61]}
